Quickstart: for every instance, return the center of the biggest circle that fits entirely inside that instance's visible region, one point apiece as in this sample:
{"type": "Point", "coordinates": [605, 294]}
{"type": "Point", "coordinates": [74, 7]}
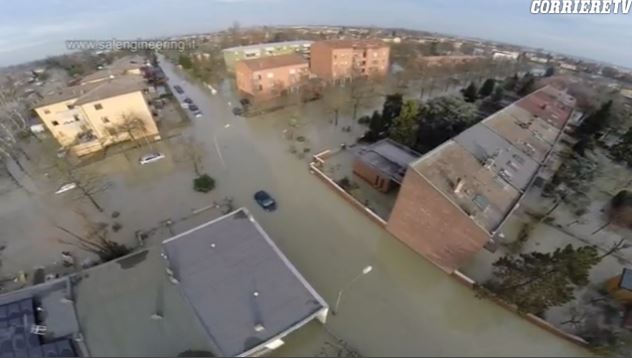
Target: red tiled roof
{"type": "Point", "coordinates": [552, 105]}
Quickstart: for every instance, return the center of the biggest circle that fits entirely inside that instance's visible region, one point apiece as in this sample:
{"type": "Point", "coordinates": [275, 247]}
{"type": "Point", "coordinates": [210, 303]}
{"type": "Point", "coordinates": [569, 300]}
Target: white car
{"type": "Point", "coordinates": [149, 158]}
{"type": "Point", "coordinates": [64, 188]}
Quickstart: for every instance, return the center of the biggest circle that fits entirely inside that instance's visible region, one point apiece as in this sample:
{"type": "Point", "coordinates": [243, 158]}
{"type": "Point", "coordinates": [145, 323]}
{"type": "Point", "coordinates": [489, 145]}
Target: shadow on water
{"type": "Point", "coordinates": [133, 260]}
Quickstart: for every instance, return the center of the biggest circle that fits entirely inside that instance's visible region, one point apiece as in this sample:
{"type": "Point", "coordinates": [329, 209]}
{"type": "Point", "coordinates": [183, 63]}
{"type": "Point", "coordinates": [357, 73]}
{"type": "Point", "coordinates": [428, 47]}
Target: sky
{"type": "Point", "coordinates": [34, 29]}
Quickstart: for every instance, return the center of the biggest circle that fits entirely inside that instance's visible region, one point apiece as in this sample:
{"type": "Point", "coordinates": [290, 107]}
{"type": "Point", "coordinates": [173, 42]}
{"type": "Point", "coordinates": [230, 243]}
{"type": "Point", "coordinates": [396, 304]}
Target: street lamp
{"type": "Point", "coordinates": [365, 271]}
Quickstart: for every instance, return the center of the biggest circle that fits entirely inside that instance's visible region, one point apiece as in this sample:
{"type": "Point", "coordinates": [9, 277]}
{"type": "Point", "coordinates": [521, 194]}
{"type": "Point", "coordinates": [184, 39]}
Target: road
{"type": "Point", "coordinates": [405, 306]}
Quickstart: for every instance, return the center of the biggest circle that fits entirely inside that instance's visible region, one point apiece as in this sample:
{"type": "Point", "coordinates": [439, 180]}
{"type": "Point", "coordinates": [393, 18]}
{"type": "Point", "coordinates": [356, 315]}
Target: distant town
{"type": "Point", "coordinates": [315, 191]}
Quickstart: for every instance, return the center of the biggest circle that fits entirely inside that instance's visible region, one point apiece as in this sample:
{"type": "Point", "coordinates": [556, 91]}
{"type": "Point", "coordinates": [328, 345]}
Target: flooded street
{"type": "Point", "coordinates": [405, 306]}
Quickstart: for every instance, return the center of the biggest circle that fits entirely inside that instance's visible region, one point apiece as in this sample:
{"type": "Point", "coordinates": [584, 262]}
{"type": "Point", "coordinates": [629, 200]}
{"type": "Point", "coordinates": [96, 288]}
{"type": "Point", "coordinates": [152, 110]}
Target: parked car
{"type": "Point", "coordinates": [178, 89]}
{"type": "Point", "coordinates": [66, 187]}
{"type": "Point", "coordinates": [151, 157]}
{"type": "Point", "coordinates": [265, 200]}
{"type": "Point", "coordinates": [188, 100]}
{"type": "Point", "coordinates": [196, 110]}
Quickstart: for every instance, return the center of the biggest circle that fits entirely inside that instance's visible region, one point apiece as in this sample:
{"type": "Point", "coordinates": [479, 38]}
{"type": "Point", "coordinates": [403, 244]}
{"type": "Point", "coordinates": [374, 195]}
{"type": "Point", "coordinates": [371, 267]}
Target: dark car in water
{"type": "Point", "coordinates": [178, 89]}
{"type": "Point", "coordinates": [265, 200]}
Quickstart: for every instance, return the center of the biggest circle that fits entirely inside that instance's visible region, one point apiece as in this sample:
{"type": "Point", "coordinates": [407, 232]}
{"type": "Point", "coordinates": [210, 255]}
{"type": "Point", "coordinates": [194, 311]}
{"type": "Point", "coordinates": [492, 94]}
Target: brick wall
{"type": "Point", "coordinates": [431, 225]}
{"type": "Point", "coordinates": [371, 176]}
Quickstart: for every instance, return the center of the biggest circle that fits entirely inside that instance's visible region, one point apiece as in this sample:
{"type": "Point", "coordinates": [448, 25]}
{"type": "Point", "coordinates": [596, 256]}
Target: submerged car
{"type": "Point", "coordinates": [265, 200]}
{"type": "Point", "coordinates": [188, 100]}
{"type": "Point", "coordinates": [150, 158]}
{"type": "Point", "coordinates": [178, 89]}
{"type": "Point", "coordinates": [64, 188]}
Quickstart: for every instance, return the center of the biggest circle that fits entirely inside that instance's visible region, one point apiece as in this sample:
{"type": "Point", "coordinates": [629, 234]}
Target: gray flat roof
{"type": "Point", "coordinates": [498, 155]}
{"type": "Point", "coordinates": [115, 302]}
{"type": "Point", "coordinates": [389, 157]}
{"type": "Point", "coordinates": [269, 44]}
{"type": "Point", "coordinates": [242, 288]}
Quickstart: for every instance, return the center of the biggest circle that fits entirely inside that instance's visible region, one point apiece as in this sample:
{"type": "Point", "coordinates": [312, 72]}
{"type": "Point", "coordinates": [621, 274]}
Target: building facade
{"type": "Point", "coordinates": [234, 55]}
{"type": "Point", "coordinates": [334, 60]}
{"type": "Point", "coordinates": [454, 200]}
{"type": "Point", "coordinates": [88, 118]}
{"type": "Point", "coordinates": [271, 76]}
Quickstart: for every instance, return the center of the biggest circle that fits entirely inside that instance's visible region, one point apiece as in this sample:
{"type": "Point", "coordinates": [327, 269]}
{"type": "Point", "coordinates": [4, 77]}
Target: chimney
{"type": "Point", "coordinates": [458, 187]}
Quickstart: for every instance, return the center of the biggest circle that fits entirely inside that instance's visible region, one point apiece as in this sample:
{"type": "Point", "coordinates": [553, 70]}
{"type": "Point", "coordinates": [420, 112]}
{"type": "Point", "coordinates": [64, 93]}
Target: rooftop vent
{"type": "Point", "coordinates": [458, 187]}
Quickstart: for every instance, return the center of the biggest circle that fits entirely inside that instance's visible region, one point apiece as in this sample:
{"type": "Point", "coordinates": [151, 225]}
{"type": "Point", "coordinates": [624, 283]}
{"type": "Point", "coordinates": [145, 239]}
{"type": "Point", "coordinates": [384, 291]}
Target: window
{"type": "Point", "coordinates": [77, 119]}
{"type": "Point", "coordinates": [55, 123]}
{"type": "Point", "coordinates": [46, 111]}
{"type": "Point", "coordinates": [98, 106]}
{"type": "Point", "coordinates": [260, 87]}
{"type": "Point", "coordinates": [70, 106]}
{"type": "Point", "coordinates": [105, 119]}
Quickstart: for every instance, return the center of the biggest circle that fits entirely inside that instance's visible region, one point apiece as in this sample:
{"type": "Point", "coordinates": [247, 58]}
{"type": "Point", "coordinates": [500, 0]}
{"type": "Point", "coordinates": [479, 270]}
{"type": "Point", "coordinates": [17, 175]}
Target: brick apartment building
{"type": "Point", "coordinates": [334, 60]}
{"type": "Point", "coordinates": [455, 199]}
{"type": "Point", "coordinates": [272, 75]}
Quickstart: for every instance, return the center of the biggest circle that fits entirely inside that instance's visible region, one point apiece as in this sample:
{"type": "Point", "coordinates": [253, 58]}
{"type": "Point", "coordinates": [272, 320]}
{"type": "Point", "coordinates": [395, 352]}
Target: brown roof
{"type": "Point", "coordinates": [65, 94]}
{"type": "Point", "coordinates": [264, 63]}
{"type": "Point", "coordinates": [99, 75]}
{"type": "Point", "coordinates": [114, 87]}
{"type": "Point", "coordinates": [340, 44]}
{"type": "Point", "coordinates": [550, 104]}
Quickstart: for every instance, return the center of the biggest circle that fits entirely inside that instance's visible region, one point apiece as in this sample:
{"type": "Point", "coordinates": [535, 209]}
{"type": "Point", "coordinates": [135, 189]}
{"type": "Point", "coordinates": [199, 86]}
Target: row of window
{"type": "Point", "coordinates": [97, 106]}
{"type": "Point", "coordinates": [77, 119]}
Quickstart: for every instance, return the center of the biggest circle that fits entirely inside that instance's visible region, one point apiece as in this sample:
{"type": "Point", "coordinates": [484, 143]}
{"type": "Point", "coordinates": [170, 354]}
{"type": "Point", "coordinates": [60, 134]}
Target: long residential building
{"type": "Point", "coordinates": [89, 117]}
{"type": "Point", "coordinates": [455, 199]}
{"type": "Point", "coordinates": [235, 54]}
{"type": "Point", "coordinates": [335, 60]}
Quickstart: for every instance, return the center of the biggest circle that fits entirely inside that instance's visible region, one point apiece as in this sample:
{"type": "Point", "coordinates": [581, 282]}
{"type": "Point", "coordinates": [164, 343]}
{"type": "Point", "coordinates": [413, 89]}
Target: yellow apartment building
{"type": "Point", "coordinates": [90, 117]}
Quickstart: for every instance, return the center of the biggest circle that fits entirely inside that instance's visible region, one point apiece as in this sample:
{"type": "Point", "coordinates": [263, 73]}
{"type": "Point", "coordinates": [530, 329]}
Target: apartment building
{"type": "Point", "coordinates": [455, 199]}
{"type": "Point", "coordinates": [271, 76]}
{"type": "Point", "coordinates": [335, 60]}
{"type": "Point", "coordinates": [88, 118]}
{"type": "Point", "coordinates": [234, 55]}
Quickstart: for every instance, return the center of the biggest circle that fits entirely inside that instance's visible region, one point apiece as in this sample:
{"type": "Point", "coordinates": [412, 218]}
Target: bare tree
{"type": "Point", "coordinates": [95, 240]}
{"type": "Point", "coordinates": [618, 211]}
{"type": "Point", "coordinates": [193, 151]}
{"type": "Point", "coordinates": [133, 126]}
{"type": "Point", "coordinates": [87, 184]}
